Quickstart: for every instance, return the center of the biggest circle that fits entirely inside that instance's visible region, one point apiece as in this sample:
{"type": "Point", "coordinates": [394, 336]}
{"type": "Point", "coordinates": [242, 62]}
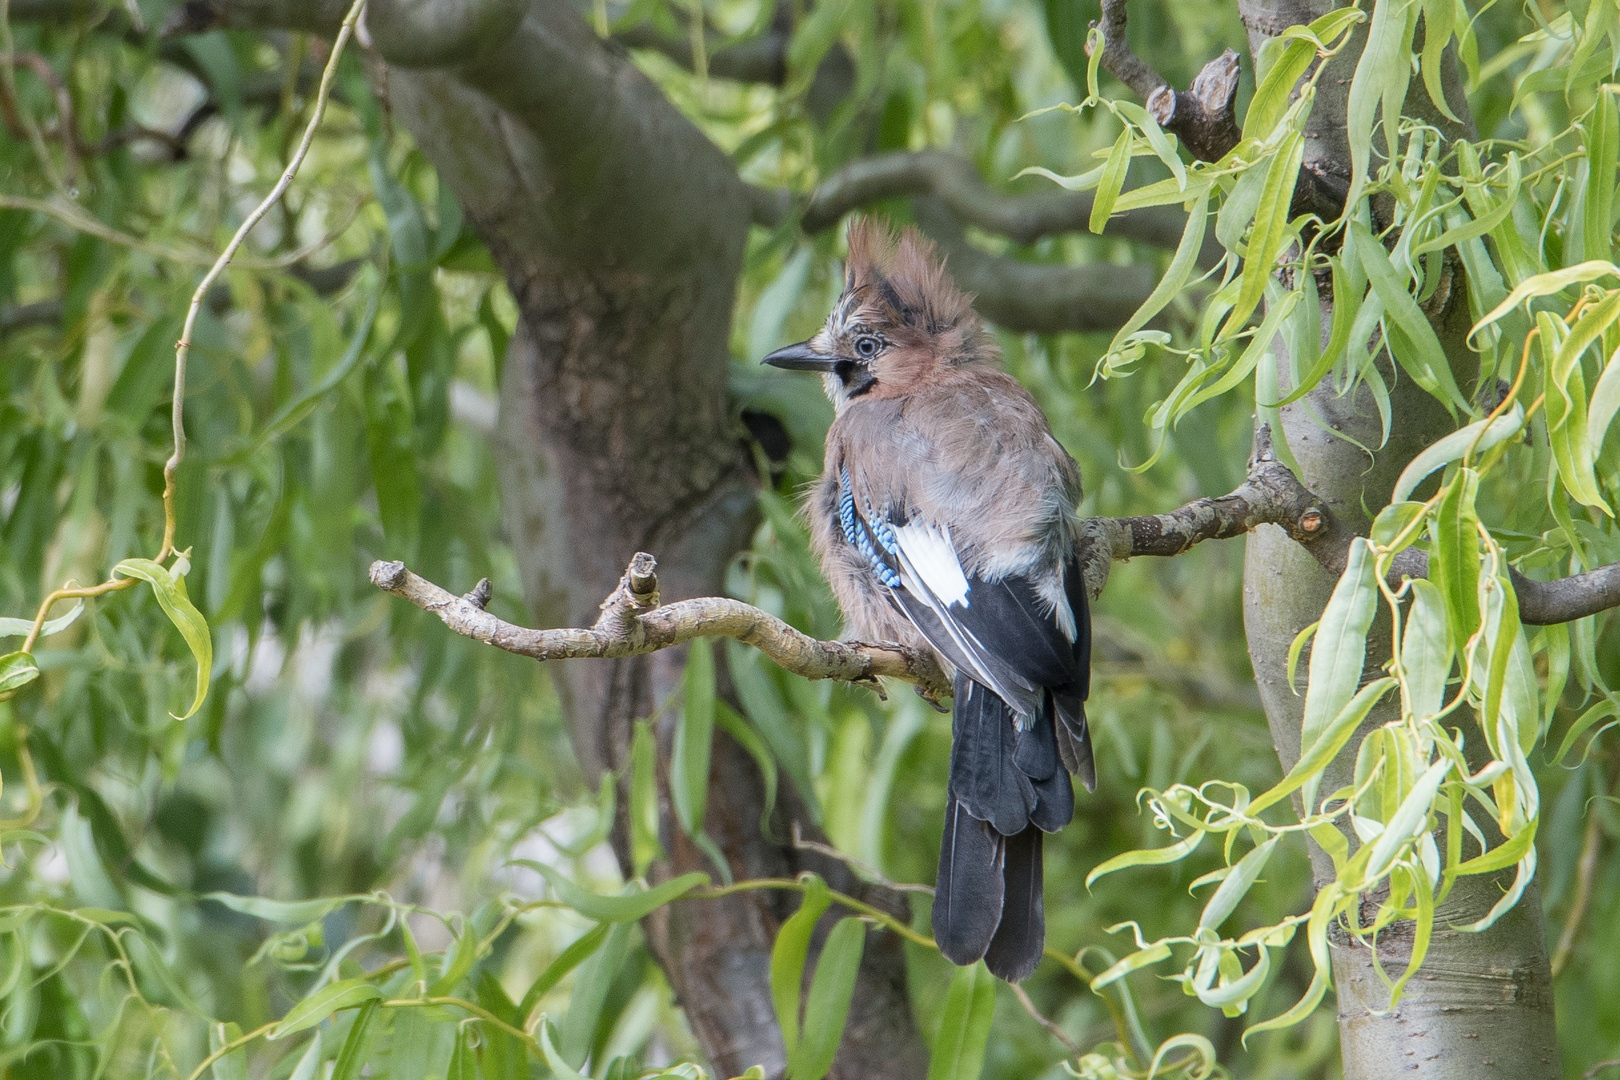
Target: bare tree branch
{"type": "Point", "coordinates": [1045, 298]}
{"type": "Point", "coordinates": [956, 182]}
{"type": "Point", "coordinates": [633, 622]}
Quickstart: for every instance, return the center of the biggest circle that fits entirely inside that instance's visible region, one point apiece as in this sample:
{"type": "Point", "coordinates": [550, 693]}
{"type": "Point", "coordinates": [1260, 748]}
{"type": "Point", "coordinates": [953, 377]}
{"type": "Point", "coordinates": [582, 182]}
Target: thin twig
{"type": "Point", "coordinates": [1589, 1074]}
{"type": "Point", "coordinates": [851, 861]}
{"type": "Point", "coordinates": [1042, 1019]}
{"type": "Point", "coordinates": [1586, 871]}
{"type": "Point", "coordinates": [183, 346]}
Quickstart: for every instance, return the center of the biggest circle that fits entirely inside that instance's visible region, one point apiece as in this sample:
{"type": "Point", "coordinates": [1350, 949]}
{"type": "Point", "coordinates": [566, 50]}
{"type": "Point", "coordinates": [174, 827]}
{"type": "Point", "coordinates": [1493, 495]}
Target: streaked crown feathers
{"type": "Point", "coordinates": [899, 281]}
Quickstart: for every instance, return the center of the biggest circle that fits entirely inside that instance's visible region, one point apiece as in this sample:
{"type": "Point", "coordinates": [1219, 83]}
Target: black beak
{"type": "Point", "coordinates": [801, 357]}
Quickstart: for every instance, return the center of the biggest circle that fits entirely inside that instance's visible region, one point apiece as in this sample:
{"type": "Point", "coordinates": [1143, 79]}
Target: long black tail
{"type": "Point", "coordinates": [1006, 788]}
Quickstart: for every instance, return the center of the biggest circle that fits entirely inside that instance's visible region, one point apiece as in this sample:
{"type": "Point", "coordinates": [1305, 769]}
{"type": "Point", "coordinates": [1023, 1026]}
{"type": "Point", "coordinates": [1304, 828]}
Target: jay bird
{"type": "Point", "coordinates": [945, 518]}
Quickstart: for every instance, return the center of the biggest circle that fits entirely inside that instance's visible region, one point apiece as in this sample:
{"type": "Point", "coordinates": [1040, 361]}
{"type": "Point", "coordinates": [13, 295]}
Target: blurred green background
{"type": "Point", "coordinates": [350, 744]}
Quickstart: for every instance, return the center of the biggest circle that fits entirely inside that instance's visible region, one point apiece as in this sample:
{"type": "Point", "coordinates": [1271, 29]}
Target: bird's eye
{"type": "Point", "coordinates": [867, 346]}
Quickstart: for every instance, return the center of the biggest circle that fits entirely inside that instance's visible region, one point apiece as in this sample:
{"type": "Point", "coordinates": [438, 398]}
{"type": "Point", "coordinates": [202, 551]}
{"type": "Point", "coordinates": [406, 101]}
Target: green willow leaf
{"type": "Point", "coordinates": [1603, 159]}
{"type": "Point", "coordinates": [293, 913]}
{"type": "Point", "coordinates": [1471, 228]}
{"type": "Point", "coordinates": [1425, 651]}
{"type": "Point", "coordinates": [1270, 227]}
{"type": "Point", "coordinates": [310, 1061]}
{"type": "Point", "coordinates": [1327, 745]}
{"type": "Point", "coordinates": [627, 907]}
{"type": "Point", "coordinates": [232, 1066]}
{"type": "Point", "coordinates": [1410, 817]}
{"type": "Point", "coordinates": [1339, 650]}
{"type": "Point", "coordinates": [352, 1056]}
{"type": "Point", "coordinates": [1565, 388]}
{"type": "Point", "coordinates": [826, 1009]}
{"type": "Point", "coordinates": [1412, 339]}
{"type": "Point", "coordinates": [1439, 22]}
{"type": "Point", "coordinates": [567, 960]}
{"type": "Point", "coordinates": [751, 741]}
{"type": "Point", "coordinates": [592, 985]}
{"type": "Point", "coordinates": [964, 1028]}
{"type": "Point", "coordinates": [1545, 284]}
{"type": "Point", "coordinates": [17, 670]}
{"type": "Point", "coordinates": [170, 590]}
{"type": "Point", "coordinates": [1108, 186]}
{"type": "Point", "coordinates": [1176, 275]}
{"type": "Point", "coordinates": [1479, 436]}
{"type": "Point", "coordinates": [1276, 86]}
{"type": "Point", "coordinates": [788, 957]}
{"type": "Point", "coordinates": [1137, 960]}
{"type": "Point", "coordinates": [347, 994]}
{"type": "Point", "coordinates": [1235, 886]}
{"type": "Point", "coordinates": [1381, 78]}
{"type": "Point", "coordinates": [1149, 856]}
{"type": "Point", "coordinates": [1454, 563]}
{"type": "Point", "coordinates": [694, 735]}
{"type": "Point", "coordinates": [21, 627]}
{"type": "Point", "coordinates": [645, 845]}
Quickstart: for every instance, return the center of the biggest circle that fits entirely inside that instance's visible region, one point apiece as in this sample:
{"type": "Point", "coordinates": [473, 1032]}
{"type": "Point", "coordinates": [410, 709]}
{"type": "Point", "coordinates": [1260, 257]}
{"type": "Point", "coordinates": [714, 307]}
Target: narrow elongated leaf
{"type": "Point", "coordinates": [1149, 856]}
{"type": "Point", "coordinates": [1603, 158]}
{"type": "Point", "coordinates": [626, 907]}
{"type": "Point", "coordinates": [232, 1066]}
{"type": "Point", "coordinates": [1604, 405]}
{"type": "Point", "coordinates": [1566, 412]}
{"type": "Point", "coordinates": [832, 987]}
{"type": "Point", "coordinates": [1339, 650]}
{"type": "Point", "coordinates": [293, 912]}
{"type": "Point", "coordinates": [1327, 745]}
{"type": "Point", "coordinates": [170, 590]}
{"type": "Point", "coordinates": [310, 1061]}
{"type": "Point", "coordinates": [559, 1065]}
{"type": "Point", "coordinates": [1137, 960]}
{"type": "Point", "coordinates": [1271, 96]}
{"type": "Point", "coordinates": [751, 741]}
{"type": "Point", "coordinates": [1409, 817]}
{"type": "Point", "coordinates": [1479, 436]}
{"type": "Point", "coordinates": [1454, 565]}
{"type": "Point", "coordinates": [566, 961]}
{"type": "Point", "coordinates": [1439, 21]}
{"type": "Point", "coordinates": [645, 845]}
{"type": "Point", "coordinates": [1381, 77]}
{"type": "Point", "coordinates": [694, 735]}
{"type": "Point", "coordinates": [1545, 284]}
{"type": "Point", "coordinates": [20, 627]}
{"type": "Point", "coordinates": [1425, 651]}
{"type": "Point", "coordinates": [346, 994]}
{"type": "Point", "coordinates": [1176, 274]}
{"type": "Point", "coordinates": [1236, 885]}
{"type": "Point", "coordinates": [1412, 340]}
{"type": "Point", "coordinates": [353, 1053]}
{"type": "Point", "coordinates": [591, 988]}
{"type": "Point", "coordinates": [1270, 227]}
{"type": "Point", "coordinates": [964, 1028]}
{"type": "Point", "coordinates": [788, 956]}
{"type": "Point", "coordinates": [1109, 184]}
{"type": "Point", "coordinates": [1462, 228]}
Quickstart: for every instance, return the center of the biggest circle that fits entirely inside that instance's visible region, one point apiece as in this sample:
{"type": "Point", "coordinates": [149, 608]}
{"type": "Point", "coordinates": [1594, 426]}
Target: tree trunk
{"type": "Point", "coordinates": [620, 229]}
{"type": "Point", "coordinates": [1483, 1003]}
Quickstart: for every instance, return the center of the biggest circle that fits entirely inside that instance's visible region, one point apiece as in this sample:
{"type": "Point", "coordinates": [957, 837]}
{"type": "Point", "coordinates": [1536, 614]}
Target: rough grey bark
{"type": "Point", "coordinates": [1483, 1004]}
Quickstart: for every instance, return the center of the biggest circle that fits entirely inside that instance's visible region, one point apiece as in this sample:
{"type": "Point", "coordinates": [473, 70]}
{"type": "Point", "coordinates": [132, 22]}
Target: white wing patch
{"type": "Point", "coordinates": [927, 552]}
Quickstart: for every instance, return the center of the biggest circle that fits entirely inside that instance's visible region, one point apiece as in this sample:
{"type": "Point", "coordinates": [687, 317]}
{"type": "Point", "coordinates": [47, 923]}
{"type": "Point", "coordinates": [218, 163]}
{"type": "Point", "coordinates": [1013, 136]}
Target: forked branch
{"type": "Point", "coordinates": [634, 621]}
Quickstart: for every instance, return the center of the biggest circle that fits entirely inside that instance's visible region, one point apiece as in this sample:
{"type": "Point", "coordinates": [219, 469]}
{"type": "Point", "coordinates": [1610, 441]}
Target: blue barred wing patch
{"type": "Point", "coordinates": [871, 536]}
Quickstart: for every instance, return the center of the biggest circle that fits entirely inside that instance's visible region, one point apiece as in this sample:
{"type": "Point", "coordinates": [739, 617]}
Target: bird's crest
{"type": "Point", "coordinates": [901, 280]}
